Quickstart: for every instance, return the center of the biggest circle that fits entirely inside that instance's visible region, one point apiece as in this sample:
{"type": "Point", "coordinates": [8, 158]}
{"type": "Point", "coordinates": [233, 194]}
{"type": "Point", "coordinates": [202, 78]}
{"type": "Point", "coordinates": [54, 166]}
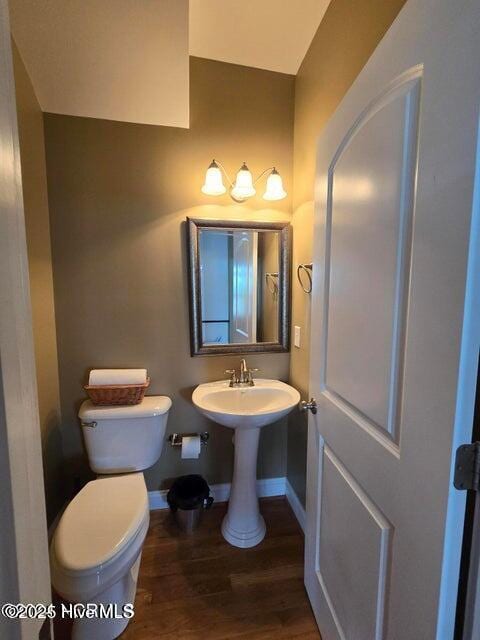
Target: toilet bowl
{"type": "Point", "coordinates": [96, 549]}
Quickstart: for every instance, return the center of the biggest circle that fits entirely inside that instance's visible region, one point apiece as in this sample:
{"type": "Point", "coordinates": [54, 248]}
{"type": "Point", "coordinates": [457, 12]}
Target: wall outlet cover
{"type": "Point", "coordinates": [297, 336]}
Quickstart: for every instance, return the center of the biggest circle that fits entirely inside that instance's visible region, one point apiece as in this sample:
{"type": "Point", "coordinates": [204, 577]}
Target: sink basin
{"type": "Point", "coordinates": [245, 407]}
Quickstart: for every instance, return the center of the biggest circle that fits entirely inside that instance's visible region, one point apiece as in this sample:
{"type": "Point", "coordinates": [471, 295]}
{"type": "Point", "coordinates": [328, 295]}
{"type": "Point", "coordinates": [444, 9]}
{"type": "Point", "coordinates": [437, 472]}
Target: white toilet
{"type": "Point", "coordinates": [96, 549]}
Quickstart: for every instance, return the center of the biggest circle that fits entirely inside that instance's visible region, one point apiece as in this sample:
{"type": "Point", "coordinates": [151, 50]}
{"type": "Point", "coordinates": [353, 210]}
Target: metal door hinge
{"type": "Point", "coordinates": [467, 467]}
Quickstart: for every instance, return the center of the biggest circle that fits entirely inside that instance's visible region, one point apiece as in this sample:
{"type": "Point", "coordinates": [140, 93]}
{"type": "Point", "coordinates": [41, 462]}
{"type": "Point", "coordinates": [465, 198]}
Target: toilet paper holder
{"type": "Point", "coordinates": [175, 439]}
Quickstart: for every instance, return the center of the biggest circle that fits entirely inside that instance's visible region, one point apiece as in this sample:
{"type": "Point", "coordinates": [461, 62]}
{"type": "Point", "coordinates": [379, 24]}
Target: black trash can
{"type": "Point", "coordinates": [187, 499]}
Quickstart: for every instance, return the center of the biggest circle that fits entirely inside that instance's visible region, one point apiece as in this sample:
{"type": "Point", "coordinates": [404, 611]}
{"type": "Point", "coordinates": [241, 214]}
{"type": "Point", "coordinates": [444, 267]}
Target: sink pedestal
{"type": "Point", "coordinates": [243, 526]}
{"type": "Point", "coordinates": [246, 409]}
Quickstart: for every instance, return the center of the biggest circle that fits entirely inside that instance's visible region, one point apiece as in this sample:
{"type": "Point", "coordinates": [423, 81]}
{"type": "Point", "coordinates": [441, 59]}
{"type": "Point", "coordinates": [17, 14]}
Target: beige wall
{"type": "Point", "coordinates": [32, 151]}
{"type": "Point", "coordinates": [114, 59]}
{"type": "Point", "coordinates": [119, 194]}
{"type": "Point", "coordinates": [345, 39]}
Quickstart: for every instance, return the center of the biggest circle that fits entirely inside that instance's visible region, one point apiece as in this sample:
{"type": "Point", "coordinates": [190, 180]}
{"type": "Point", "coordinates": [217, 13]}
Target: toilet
{"type": "Point", "coordinates": [97, 547]}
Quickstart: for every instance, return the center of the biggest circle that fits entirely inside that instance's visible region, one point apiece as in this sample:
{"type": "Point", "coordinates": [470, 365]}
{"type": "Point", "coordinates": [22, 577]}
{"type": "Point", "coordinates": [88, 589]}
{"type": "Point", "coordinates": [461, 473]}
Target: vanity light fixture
{"type": "Point", "coordinates": [244, 185]}
{"type": "Point", "coordinates": [213, 181]}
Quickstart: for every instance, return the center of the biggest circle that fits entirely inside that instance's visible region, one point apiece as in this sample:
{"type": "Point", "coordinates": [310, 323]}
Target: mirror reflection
{"type": "Point", "coordinates": [239, 285]}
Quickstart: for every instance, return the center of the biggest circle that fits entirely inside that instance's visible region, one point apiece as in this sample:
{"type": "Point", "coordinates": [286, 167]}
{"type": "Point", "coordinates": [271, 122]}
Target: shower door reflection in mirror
{"type": "Point", "coordinates": [239, 286]}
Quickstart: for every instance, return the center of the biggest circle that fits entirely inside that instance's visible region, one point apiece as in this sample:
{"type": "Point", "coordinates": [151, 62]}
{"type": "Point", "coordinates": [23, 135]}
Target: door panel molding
{"type": "Point", "coordinates": [406, 89]}
{"type": "Point", "coordinates": [379, 534]}
{"type": "Point", "coordinates": [403, 84]}
{"type": "Point", "coordinates": [362, 421]}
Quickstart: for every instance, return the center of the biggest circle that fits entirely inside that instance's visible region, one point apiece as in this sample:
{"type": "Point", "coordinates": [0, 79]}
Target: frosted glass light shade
{"type": "Point", "coordinates": [274, 190]}
{"type": "Point", "coordinates": [213, 185]}
{"type": "Point", "coordinates": [243, 187]}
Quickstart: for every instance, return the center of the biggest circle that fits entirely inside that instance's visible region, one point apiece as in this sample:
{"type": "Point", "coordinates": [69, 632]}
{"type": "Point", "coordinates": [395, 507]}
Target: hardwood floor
{"type": "Point", "coordinates": [201, 588]}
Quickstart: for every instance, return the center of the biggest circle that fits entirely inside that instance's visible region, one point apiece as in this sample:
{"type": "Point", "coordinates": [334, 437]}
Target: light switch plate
{"type": "Point", "coordinates": [296, 336]}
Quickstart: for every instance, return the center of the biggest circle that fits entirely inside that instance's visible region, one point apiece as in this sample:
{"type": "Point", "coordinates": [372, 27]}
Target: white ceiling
{"type": "Point", "coordinates": [268, 34]}
{"type": "Point", "coordinates": [127, 60]}
{"type": "Point", "coordinates": [114, 59]}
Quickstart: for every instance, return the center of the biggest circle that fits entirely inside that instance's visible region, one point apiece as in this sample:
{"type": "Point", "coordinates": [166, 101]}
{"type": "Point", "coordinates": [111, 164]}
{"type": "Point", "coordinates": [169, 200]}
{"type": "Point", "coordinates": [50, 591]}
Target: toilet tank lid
{"type": "Point", "coordinates": [149, 407]}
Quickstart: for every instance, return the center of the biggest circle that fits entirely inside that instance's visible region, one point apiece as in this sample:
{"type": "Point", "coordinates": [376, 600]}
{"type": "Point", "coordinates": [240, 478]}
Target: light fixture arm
{"type": "Point", "coordinates": [263, 173]}
{"type": "Point", "coordinates": [224, 172]}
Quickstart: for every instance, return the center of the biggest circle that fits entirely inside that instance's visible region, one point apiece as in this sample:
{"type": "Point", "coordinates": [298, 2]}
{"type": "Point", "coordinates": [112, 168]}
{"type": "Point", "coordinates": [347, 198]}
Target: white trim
{"type": "Point", "coordinates": [295, 504]}
{"type": "Point", "coordinates": [266, 488]}
{"type": "Point", "coordinates": [22, 496]}
{"type": "Point", "coordinates": [465, 414]}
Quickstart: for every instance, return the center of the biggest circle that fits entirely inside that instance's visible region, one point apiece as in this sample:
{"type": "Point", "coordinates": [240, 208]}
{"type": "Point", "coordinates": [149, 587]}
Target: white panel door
{"type": "Point", "coordinates": [244, 287]}
{"type": "Point", "coordinates": [395, 331]}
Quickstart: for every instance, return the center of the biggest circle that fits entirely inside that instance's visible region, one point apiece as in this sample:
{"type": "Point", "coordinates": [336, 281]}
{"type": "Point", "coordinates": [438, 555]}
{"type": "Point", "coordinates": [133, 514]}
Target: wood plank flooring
{"type": "Point", "coordinates": [201, 588]}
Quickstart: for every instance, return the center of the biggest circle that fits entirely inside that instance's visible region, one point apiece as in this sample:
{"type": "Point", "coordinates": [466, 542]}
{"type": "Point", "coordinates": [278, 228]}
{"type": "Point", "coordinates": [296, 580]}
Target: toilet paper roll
{"type": "Point", "coordinates": [100, 377]}
{"type": "Point", "coordinates": [191, 447]}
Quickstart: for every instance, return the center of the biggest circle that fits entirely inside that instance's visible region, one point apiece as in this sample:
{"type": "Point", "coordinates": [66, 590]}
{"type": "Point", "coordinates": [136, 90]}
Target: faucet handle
{"type": "Point", "coordinates": [233, 376]}
{"type": "Point", "coordinates": [250, 377]}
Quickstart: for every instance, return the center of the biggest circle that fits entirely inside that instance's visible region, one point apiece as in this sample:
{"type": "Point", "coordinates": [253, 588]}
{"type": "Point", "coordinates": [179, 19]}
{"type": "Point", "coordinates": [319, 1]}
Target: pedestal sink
{"type": "Point", "coordinates": [245, 409]}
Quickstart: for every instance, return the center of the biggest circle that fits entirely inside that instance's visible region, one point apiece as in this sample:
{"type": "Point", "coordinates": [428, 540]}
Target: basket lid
{"type": "Point", "coordinates": [149, 407]}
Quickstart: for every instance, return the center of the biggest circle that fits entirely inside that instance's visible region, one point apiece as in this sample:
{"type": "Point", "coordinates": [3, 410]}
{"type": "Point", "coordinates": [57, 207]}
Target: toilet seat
{"type": "Point", "coordinates": [100, 523]}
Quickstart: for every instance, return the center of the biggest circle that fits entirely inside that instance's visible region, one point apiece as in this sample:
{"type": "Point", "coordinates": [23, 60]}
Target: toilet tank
{"type": "Point", "coordinates": [123, 439]}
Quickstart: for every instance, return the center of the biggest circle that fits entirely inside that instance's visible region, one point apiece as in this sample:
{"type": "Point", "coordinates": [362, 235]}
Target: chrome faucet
{"type": "Point", "coordinates": [245, 379]}
{"type": "Point", "coordinates": [243, 371]}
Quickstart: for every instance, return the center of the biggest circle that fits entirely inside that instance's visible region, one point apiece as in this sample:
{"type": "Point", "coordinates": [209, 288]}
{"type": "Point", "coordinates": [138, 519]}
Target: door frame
{"type": "Point", "coordinates": [464, 419]}
{"type": "Point", "coordinates": [472, 611]}
{"type": "Point", "coordinates": [468, 602]}
{"type": "Point", "coordinates": [24, 549]}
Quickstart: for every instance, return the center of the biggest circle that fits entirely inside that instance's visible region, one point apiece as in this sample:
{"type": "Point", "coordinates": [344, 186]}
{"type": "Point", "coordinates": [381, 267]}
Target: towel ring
{"type": "Point", "coordinates": [271, 280]}
{"type": "Point", "coordinates": [307, 269]}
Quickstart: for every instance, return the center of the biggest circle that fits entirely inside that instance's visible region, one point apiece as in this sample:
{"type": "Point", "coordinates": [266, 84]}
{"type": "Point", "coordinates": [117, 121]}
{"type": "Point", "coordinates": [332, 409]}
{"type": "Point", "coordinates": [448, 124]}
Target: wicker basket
{"type": "Point", "coordinates": [119, 394]}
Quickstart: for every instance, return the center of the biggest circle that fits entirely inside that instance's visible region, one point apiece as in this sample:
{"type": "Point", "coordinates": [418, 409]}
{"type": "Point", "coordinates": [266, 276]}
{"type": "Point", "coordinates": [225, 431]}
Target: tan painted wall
{"type": "Point", "coordinates": [119, 194]}
{"type": "Point", "coordinates": [114, 59]}
{"type": "Point", "coordinates": [345, 39]}
{"type": "Point", "coordinates": [32, 151]}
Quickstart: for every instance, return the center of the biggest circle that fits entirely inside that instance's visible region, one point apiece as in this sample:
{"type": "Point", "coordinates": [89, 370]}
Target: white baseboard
{"type": "Point", "coordinates": [297, 507]}
{"type": "Point", "coordinates": [266, 488]}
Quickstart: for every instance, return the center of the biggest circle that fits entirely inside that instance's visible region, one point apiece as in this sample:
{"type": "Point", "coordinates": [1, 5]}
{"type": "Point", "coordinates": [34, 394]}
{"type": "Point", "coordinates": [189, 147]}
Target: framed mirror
{"type": "Point", "coordinates": [239, 286]}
